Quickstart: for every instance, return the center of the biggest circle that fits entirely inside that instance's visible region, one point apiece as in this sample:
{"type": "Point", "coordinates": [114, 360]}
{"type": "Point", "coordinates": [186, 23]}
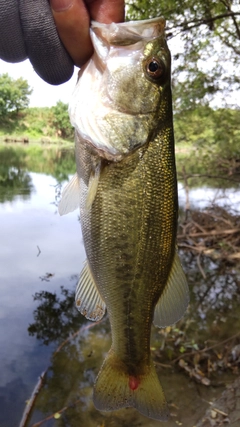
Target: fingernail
{"type": "Point", "coordinates": [61, 5]}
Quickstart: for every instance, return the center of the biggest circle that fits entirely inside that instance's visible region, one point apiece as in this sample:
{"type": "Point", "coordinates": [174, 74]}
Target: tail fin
{"type": "Point", "coordinates": [115, 389]}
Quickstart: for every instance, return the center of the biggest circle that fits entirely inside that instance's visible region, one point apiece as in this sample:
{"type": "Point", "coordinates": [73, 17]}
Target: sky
{"type": "Point", "coordinates": [44, 94]}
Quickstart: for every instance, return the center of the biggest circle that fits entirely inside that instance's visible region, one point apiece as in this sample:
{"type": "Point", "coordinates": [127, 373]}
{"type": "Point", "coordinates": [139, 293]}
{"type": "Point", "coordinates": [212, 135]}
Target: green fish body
{"type": "Point", "coordinates": [127, 191]}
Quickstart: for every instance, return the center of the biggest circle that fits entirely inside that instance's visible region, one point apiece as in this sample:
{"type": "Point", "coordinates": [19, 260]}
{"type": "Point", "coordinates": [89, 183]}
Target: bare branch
{"type": "Point", "coordinates": [189, 25]}
{"type": "Point", "coordinates": [228, 6]}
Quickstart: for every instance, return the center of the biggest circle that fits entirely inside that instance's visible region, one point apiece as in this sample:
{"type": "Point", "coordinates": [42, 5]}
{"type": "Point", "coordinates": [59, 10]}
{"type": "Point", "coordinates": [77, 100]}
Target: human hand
{"type": "Point", "coordinates": [27, 29]}
{"type": "Point", "coordinates": [72, 18]}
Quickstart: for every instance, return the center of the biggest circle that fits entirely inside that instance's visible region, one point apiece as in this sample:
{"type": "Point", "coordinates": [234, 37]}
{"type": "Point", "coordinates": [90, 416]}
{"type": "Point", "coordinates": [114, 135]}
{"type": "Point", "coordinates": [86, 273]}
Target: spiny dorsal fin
{"type": "Point", "coordinates": [88, 299]}
{"type": "Point", "coordinates": [93, 185]}
{"type": "Point", "coordinates": [174, 300]}
{"type": "Point", "coordinates": [70, 197]}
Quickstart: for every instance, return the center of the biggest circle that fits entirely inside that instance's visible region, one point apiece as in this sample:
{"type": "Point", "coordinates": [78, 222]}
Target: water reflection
{"type": "Point", "coordinates": [216, 292]}
{"type": "Point", "coordinates": [56, 316]}
{"type": "Point", "coordinates": [13, 179]}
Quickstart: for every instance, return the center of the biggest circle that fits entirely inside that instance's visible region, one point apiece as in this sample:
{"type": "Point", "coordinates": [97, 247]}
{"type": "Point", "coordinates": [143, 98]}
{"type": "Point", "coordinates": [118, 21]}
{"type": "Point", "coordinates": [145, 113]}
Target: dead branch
{"type": "Point", "coordinates": [200, 267]}
{"type": "Point", "coordinates": [210, 233]}
{"type": "Point", "coordinates": [213, 232]}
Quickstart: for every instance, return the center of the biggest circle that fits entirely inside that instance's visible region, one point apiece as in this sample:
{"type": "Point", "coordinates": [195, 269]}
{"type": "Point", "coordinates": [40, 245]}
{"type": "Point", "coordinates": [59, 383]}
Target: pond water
{"type": "Point", "coordinates": [41, 255]}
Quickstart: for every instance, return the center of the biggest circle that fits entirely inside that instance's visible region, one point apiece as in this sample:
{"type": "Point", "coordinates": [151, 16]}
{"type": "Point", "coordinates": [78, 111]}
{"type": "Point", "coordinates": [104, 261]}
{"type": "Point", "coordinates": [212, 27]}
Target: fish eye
{"type": "Point", "coordinates": [155, 68]}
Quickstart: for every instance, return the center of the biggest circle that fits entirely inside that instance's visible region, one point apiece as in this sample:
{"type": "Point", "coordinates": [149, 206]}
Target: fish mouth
{"type": "Point", "coordinates": [129, 32]}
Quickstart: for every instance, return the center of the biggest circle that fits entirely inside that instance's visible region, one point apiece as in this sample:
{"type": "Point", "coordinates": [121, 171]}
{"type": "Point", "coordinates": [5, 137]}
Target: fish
{"type": "Point", "coordinates": [126, 188]}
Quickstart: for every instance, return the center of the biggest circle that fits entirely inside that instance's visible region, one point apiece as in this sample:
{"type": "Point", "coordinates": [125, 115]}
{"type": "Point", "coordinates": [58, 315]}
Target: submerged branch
{"type": "Point", "coordinates": [30, 403]}
{"type": "Point", "coordinates": [50, 417]}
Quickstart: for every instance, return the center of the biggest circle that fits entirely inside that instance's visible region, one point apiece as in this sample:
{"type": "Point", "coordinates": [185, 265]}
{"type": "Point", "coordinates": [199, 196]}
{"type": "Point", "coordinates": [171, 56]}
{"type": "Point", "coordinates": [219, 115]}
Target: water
{"type": "Point", "coordinates": [35, 241]}
{"type": "Point", "coordinates": [41, 252]}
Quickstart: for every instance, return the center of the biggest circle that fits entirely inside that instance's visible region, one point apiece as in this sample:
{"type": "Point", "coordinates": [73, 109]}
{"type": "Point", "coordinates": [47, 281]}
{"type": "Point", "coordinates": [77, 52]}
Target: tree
{"type": "Point", "coordinates": [204, 38]}
{"type": "Point", "coordinates": [14, 94]}
{"type": "Point", "coordinates": [61, 121]}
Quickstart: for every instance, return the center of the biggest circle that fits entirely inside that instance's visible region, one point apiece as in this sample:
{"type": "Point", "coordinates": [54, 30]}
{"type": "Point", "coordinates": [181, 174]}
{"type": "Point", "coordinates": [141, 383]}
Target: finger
{"type": "Point", "coordinates": [12, 47]}
{"type": "Point", "coordinates": [72, 21]}
{"type": "Point", "coordinates": [106, 11]}
{"type": "Point", "coordinates": [43, 46]}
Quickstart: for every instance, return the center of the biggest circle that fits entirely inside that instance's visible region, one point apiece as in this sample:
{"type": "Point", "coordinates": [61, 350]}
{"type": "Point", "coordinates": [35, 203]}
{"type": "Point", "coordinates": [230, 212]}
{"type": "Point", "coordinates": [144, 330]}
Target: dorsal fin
{"type": "Point", "coordinates": [70, 197]}
{"type": "Point", "coordinates": [88, 299]}
{"type": "Point", "coordinates": [174, 300]}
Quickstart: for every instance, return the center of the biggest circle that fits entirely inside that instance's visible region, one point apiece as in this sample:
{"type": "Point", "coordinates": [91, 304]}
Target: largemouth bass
{"type": "Point", "coordinates": [127, 191]}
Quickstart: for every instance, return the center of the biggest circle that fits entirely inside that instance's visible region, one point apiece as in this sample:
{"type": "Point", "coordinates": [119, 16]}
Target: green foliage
{"type": "Point", "coordinates": [16, 118]}
{"type": "Point", "coordinates": [14, 94]}
{"type": "Point", "coordinates": [204, 39]}
{"type": "Point", "coordinates": [61, 121]}
{"type": "Point", "coordinates": [205, 128]}
{"type": "Point", "coordinates": [208, 140]}
{"type": "Point", "coordinates": [39, 123]}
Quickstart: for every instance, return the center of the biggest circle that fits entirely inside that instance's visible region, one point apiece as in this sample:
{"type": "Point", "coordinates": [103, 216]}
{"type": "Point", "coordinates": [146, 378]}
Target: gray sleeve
{"type": "Point", "coordinates": [27, 29]}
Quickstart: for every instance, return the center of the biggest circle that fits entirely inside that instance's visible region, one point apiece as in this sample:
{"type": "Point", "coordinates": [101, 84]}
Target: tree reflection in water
{"type": "Point", "coordinates": [14, 179]}
{"type": "Point", "coordinates": [17, 163]}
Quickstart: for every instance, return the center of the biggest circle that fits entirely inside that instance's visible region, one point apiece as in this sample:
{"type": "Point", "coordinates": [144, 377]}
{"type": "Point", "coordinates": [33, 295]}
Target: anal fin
{"type": "Point", "coordinates": [88, 299]}
{"type": "Point", "coordinates": [174, 300]}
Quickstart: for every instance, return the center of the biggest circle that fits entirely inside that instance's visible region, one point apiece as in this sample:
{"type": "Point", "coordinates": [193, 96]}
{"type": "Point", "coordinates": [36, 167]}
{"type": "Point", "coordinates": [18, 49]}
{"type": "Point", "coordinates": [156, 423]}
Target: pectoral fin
{"type": "Point", "coordinates": [88, 299]}
{"type": "Point", "coordinates": [70, 197]}
{"type": "Point", "coordinates": [175, 298]}
{"type": "Point", "coordinates": [93, 185]}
